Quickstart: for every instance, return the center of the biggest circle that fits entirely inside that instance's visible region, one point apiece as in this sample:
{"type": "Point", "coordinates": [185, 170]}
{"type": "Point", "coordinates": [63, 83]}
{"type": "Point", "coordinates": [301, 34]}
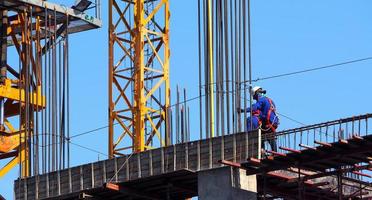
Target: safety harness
{"type": "Point", "coordinates": [272, 109]}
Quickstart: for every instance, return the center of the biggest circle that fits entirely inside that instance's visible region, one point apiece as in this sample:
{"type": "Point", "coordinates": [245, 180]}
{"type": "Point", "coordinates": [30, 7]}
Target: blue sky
{"type": "Point", "coordinates": [287, 36]}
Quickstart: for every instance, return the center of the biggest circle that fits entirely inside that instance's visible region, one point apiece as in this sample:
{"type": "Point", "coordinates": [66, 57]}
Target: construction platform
{"type": "Point", "coordinates": [323, 170]}
{"type": "Point", "coordinates": [323, 161]}
{"type": "Point", "coordinates": [314, 170]}
{"type": "Point", "coordinates": [78, 21]}
{"type": "Point", "coordinates": [160, 172]}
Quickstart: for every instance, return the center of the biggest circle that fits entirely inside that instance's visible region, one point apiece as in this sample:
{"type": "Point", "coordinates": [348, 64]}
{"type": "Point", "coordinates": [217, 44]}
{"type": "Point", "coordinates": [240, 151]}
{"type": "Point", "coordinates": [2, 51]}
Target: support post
{"type": "Point", "coordinates": [226, 183]}
{"type": "Point", "coordinates": [339, 185]}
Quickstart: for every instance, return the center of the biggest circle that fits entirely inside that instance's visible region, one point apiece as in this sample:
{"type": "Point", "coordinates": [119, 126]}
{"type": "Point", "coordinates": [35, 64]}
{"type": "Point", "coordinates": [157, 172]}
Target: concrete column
{"type": "Point", "coordinates": [226, 183]}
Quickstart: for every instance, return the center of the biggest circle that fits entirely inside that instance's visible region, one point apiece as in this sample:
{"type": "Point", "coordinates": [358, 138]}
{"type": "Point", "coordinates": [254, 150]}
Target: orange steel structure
{"type": "Point", "coordinates": [33, 133]}
{"type": "Point", "coordinates": [21, 95]}
{"type": "Point", "coordinates": [139, 93]}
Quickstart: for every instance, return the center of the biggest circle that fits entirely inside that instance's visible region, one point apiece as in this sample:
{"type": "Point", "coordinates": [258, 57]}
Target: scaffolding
{"type": "Point", "coordinates": [331, 160]}
{"type": "Point", "coordinates": [34, 87]}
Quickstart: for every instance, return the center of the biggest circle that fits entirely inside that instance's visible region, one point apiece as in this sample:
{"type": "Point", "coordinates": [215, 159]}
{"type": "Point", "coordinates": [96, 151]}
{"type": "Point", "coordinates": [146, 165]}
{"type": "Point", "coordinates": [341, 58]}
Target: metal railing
{"type": "Point", "coordinates": [327, 132]}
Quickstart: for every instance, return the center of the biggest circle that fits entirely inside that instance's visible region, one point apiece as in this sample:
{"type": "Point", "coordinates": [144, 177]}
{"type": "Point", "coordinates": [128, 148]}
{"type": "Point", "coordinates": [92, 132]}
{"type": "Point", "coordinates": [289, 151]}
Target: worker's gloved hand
{"type": "Point", "coordinates": [241, 110]}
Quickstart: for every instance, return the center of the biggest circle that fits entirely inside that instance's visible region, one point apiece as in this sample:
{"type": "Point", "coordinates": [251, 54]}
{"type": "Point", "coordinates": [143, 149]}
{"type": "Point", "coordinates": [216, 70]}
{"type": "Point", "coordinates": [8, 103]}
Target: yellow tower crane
{"type": "Point", "coordinates": [139, 93]}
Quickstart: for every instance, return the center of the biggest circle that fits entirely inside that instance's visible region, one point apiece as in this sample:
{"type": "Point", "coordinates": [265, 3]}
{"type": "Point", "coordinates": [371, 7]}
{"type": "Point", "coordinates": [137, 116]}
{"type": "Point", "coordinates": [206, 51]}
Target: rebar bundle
{"type": "Point", "coordinates": [34, 108]}
{"type": "Point", "coordinates": [45, 71]}
{"type": "Point", "coordinates": [224, 65]}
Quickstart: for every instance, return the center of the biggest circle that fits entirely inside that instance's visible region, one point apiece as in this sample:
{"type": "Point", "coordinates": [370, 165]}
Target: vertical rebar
{"type": "Point", "coordinates": [200, 74]}
{"type": "Point", "coordinates": [226, 63]}
{"type": "Point", "coordinates": [185, 115]}
{"type": "Point", "coordinates": [68, 92]}
{"type": "Point", "coordinates": [38, 91]}
{"type": "Point", "coordinates": [178, 117]}
{"type": "Point", "coordinates": [244, 67]}
{"type": "Point", "coordinates": [188, 125]}
{"type": "Point", "coordinates": [211, 67]}
{"type": "Point", "coordinates": [44, 92]}
{"type": "Point", "coordinates": [250, 61]}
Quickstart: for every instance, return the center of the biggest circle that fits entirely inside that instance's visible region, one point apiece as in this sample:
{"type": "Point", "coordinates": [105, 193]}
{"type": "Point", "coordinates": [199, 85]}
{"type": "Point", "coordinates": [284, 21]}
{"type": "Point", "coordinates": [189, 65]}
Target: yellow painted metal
{"type": "Point", "coordinates": [111, 83]}
{"type": "Point", "coordinates": [9, 166]}
{"type": "Point", "coordinates": [24, 160]}
{"type": "Point", "coordinates": [11, 139]}
{"type": "Point", "coordinates": [21, 158]}
{"type": "Point", "coordinates": [9, 142]}
{"type": "Point", "coordinates": [211, 73]}
{"type": "Point", "coordinates": [136, 76]}
{"type": "Point", "coordinates": [9, 92]}
{"type": "Point", "coordinates": [139, 77]}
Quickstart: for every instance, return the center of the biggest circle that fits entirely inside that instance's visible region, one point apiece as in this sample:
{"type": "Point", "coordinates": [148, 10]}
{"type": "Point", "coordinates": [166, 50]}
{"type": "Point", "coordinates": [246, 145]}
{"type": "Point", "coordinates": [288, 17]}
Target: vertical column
{"type": "Point", "coordinates": [139, 91]}
{"type": "Point", "coordinates": [3, 60]}
{"type": "Point", "coordinates": [226, 183]}
{"type": "Point", "coordinates": [166, 74]}
{"type": "Point", "coordinates": [110, 79]}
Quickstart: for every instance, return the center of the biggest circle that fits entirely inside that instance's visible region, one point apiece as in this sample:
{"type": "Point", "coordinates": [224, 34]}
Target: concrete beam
{"type": "Point", "coordinates": [226, 183]}
{"type": "Point", "coordinates": [131, 192]}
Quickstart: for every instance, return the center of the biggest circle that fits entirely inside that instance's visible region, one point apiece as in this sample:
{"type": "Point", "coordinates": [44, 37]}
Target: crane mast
{"type": "Point", "coordinates": [139, 91]}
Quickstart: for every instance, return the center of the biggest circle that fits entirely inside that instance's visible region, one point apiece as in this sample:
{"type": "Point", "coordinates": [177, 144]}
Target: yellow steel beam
{"type": "Point", "coordinates": [8, 142]}
{"type": "Point", "coordinates": [21, 158]}
{"type": "Point", "coordinates": [9, 92]}
{"type": "Point", "coordinates": [10, 139]}
{"type": "Point", "coordinates": [9, 166]}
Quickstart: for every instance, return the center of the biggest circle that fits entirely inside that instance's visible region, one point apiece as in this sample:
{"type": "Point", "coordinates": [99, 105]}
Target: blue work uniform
{"type": "Point", "coordinates": [267, 112]}
{"type": "Point", "coordinates": [264, 113]}
{"type": "Point", "coordinates": [255, 123]}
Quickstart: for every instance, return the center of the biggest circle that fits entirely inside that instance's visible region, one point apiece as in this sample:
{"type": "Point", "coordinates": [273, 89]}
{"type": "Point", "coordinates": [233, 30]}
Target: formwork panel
{"type": "Point", "coordinates": [76, 179]}
{"type": "Point", "coordinates": [180, 156]}
{"type": "Point", "coordinates": [98, 174]}
{"type": "Point", "coordinates": [65, 180]}
{"type": "Point", "coordinates": [157, 161]}
{"type": "Point", "coordinates": [193, 157]}
{"type": "Point", "coordinates": [123, 168]}
{"type": "Point", "coordinates": [169, 156]}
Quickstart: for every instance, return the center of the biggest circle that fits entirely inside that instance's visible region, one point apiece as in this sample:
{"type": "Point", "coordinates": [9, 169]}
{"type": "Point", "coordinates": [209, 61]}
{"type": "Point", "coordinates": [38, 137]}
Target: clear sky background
{"type": "Point", "coordinates": [287, 35]}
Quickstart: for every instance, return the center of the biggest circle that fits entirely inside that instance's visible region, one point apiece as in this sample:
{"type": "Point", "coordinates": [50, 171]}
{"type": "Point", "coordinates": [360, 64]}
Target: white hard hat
{"type": "Point", "coordinates": [255, 89]}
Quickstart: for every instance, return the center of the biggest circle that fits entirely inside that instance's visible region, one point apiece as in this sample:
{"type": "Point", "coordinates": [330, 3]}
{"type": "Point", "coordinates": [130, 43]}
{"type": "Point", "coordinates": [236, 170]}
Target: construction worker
{"type": "Point", "coordinates": [263, 116]}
